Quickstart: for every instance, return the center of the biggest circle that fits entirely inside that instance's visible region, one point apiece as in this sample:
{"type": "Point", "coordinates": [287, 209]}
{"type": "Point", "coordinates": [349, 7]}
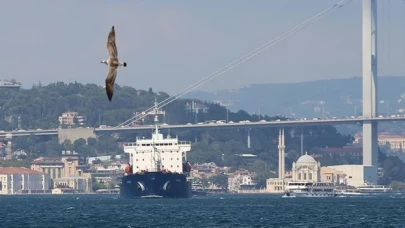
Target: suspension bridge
{"type": "Point", "coordinates": [369, 118]}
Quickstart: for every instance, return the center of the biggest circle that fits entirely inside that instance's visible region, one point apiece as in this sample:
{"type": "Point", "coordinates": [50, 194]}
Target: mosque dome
{"type": "Point", "coordinates": [306, 159]}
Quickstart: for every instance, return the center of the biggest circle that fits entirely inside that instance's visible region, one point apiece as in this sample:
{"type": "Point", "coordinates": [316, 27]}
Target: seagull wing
{"type": "Point", "coordinates": [110, 81]}
{"type": "Point", "coordinates": [112, 48]}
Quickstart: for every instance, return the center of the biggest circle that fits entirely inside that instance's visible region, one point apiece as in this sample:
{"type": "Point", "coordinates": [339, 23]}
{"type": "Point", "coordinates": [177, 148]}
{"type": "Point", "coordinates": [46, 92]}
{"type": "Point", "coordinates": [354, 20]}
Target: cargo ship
{"type": "Point", "coordinates": [158, 166]}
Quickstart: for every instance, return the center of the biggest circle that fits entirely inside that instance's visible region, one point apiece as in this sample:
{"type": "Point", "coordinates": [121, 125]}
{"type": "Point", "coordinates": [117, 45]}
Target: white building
{"type": "Point", "coordinates": [240, 181]}
{"type": "Point", "coordinates": [357, 175]}
{"type": "Point", "coordinates": [276, 185]}
{"type": "Point", "coordinates": [81, 184]}
{"type": "Point", "coordinates": [68, 118]}
{"type": "Point", "coordinates": [102, 159]}
{"type": "Point", "coordinates": [14, 180]}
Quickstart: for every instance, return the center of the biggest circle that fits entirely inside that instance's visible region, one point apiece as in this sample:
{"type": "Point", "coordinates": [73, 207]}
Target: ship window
{"type": "Point", "coordinates": [137, 167]}
{"type": "Point", "coordinates": [166, 144]}
{"type": "Point", "coordinates": [163, 158]}
{"type": "Point", "coordinates": [143, 144]}
{"type": "Point", "coordinates": [177, 166]}
{"type": "Point", "coordinates": [310, 176]}
{"type": "Point", "coordinates": [136, 159]}
{"type": "Point", "coordinates": [171, 166]}
{"type": "Point", "coordinates": [171, 158]}
{"type": "Point", "coordinates": [143, 159]}
{"type": "Point", "coordinates": [163, 166]}
{"type": "Point", "coordinates": [177, 158]}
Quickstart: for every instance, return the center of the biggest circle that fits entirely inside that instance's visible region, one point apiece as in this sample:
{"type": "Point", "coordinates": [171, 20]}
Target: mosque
{"type": "Point", "coordinates": [307, 169]}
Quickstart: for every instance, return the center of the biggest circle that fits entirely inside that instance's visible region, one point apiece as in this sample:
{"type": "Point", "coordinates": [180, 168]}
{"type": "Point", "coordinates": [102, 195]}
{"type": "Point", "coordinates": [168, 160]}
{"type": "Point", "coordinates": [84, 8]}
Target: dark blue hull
{"type": "Point", "coordinates": [158, 184]}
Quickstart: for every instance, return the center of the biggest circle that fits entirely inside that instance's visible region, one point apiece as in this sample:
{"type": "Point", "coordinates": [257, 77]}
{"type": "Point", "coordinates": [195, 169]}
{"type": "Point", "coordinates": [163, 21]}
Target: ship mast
{"type": "Point", "coordinates": [156, 111]}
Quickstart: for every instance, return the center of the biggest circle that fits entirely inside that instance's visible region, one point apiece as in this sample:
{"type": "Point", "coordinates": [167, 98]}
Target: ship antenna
{"type": "Point", "coordinates": [156, 112]}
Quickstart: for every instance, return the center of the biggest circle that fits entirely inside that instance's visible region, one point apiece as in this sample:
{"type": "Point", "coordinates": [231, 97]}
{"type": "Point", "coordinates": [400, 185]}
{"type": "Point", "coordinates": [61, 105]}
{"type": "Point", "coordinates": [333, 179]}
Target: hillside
{"type": "Point", "coordinates": [40, 106]}
{"type": "Point", "coordinates": [341, 96]}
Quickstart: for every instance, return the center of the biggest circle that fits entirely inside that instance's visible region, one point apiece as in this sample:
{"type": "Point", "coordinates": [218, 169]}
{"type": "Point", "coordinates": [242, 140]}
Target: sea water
{"type": "Point", "coordinates": [227, 210]}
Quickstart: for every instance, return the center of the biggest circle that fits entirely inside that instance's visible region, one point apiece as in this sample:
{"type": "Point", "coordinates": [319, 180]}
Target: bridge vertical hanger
{"type": "Point", "coordinates": [248, 137]}
{"type": "Point", "coordinates": [302, 141]}
{"type": "Point", "coordinates": [370, 136]}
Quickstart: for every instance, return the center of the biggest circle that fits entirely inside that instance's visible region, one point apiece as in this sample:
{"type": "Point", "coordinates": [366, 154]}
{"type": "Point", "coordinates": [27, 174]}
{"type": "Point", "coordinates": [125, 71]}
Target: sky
{"type": "Point", "coordinates": [169, 45]}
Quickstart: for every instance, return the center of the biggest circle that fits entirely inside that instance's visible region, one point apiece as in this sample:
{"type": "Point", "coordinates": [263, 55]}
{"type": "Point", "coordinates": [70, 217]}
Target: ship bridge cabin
{"type": "Point", "coordinates": [158, 154]}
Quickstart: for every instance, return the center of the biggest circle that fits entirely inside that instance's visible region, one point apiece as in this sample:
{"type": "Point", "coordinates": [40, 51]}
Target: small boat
{"type": "Point", "coordinates": [198, 190]}
{"type": "Point", "coordinates": [374, 189]}
{"type": "Point", "coordinates": [310, 189]}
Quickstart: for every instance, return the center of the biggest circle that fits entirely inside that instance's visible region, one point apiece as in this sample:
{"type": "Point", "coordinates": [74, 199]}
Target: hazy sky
{"type": "Point", "coordinates": [169, 45]}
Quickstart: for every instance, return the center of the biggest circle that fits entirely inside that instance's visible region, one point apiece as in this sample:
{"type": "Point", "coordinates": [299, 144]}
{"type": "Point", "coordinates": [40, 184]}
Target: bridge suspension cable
{"type": "Point", "coordinates": [242, 59]}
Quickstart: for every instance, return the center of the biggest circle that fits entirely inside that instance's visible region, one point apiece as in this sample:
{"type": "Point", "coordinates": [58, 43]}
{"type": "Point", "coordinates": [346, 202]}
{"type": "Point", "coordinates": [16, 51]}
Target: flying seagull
{"type": "Point", "coordinates": [113, 63]}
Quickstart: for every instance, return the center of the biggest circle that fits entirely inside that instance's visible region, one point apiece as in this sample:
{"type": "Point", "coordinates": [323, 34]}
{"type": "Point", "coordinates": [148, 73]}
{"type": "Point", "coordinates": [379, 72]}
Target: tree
{"type": "Point", "coordinates": [67, 145]}
{"type": "Point", "coordinates": [40, 107]}
{"type": "Point", "coordinates": [92, 142]}
{"type": "Point", "coordinates": [97, 185]}
{"type": "Point", "coordinates": [79, 143]}
{"type": "Point", "coordinates": [220, 181]}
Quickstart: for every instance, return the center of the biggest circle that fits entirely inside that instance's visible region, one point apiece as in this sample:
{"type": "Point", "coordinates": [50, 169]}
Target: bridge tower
{"type": "Point", "coordinates": [370, 135]}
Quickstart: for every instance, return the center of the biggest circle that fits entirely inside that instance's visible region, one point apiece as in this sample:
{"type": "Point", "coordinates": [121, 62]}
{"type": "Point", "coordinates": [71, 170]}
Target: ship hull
{"type": "Point", "coordinates": [155, 185]}
{"type": "Point", "coordinates": [309, 194]}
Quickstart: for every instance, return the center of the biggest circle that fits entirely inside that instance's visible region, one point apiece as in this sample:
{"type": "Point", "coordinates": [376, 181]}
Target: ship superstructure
{"type": "Point", "coordinates": [158, 166]}
{"type": "Point", "coordinates": [310, 189]}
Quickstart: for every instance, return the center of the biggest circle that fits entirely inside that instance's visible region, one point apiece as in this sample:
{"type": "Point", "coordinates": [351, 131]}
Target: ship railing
{"type": "Point", "coordinates": [130, 144]}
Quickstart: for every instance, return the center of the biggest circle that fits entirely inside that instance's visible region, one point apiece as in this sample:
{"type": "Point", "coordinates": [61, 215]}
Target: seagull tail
{"type": "Point", "coordinates": [109, 95]}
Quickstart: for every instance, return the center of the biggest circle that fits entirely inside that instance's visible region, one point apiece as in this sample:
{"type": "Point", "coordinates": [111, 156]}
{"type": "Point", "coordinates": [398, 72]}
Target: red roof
{"type": "Point", "coordinates": [18, 170]}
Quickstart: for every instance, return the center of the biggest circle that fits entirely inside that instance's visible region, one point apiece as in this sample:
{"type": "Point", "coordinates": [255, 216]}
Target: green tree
{"type": "Point", "coordinates": [220, 180]}
{"type": "Point", "coordinates": [79, 143]}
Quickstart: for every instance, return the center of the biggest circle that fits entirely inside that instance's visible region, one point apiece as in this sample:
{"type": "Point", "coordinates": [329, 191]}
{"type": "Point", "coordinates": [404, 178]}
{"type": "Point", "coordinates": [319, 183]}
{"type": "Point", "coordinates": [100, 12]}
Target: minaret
{"type": "Point", "coordinates": [283, 155]}
{"type": "Point", "coordinates": [281, 148]}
